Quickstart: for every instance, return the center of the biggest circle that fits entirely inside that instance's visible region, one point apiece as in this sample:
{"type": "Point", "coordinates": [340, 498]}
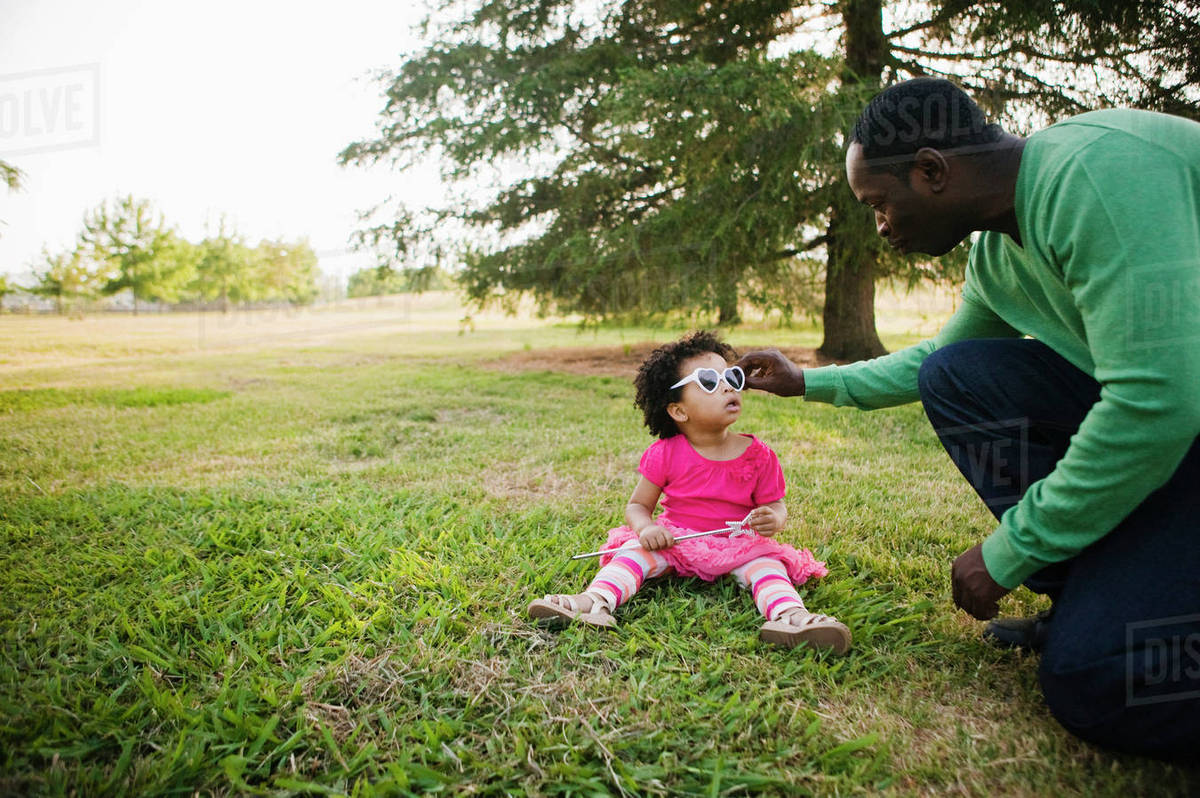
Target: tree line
{"type": "Point", "coordinates": [384, 280]}
{"type": "Point", "coordinates": [126, 246]}
{"type": "Point", "coordinates": [667, 155]}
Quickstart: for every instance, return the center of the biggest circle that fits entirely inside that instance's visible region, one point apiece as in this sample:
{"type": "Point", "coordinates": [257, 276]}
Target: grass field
{"type": "Point", "coordinates": [289, 553]}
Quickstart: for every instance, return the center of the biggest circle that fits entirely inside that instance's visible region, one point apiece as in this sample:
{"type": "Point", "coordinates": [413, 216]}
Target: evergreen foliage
{"type": "Point", "coordinates": [1056, 58]}
{"type": "Point", "coordinates": [10, 176]}
{"type": "Point", "coordinates": [661, 155]}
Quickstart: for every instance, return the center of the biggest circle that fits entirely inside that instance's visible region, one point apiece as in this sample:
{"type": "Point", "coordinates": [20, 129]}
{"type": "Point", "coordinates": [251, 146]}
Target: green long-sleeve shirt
{"type": "Point", "coordinates": [1107, 275]}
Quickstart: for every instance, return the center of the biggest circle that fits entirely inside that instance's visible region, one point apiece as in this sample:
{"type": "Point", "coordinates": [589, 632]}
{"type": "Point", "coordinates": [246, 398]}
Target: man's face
{"type": "Point", "coordinates": [907, 213]}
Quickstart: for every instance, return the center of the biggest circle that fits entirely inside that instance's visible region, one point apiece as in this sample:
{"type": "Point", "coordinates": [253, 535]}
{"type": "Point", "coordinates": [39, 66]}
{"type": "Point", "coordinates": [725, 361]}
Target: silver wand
{"type": "Point", "coordinates": [734, 528]}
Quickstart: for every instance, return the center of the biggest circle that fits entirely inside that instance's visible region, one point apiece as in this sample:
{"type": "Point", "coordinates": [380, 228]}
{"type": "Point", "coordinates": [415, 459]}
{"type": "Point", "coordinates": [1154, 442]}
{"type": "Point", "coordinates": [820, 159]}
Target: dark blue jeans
{"type": "Point", "coordinates": [1121, 666]}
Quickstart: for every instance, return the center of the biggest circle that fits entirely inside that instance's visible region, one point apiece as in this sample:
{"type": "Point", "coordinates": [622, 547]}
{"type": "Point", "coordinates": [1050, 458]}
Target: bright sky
{"type": "Point", "coordinates": [221, 107]}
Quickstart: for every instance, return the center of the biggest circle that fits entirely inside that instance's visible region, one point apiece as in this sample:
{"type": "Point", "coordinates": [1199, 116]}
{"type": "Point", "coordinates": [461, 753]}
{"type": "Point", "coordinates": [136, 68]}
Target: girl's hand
{"type": "Point", "coordinates": [654, 537]}
{"type": "Point", "coordinates": [766, 520]}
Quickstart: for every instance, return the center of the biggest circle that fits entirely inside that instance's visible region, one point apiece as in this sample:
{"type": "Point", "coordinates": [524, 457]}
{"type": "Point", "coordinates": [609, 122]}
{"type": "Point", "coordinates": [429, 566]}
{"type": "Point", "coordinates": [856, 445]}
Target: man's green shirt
{"type": "Point", "coordinates": [1107, 275]}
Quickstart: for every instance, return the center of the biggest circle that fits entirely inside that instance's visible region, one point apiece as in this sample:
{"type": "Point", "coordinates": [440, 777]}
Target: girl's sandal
{"type": "Point", "coordinates": [545, 609]}
{"type": "Point", "coordinates": [818, 631]}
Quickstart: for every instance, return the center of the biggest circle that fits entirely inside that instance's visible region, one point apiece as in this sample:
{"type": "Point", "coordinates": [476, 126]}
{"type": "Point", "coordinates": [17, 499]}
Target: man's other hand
{"type": "Point", "coordinates": [973, 588]}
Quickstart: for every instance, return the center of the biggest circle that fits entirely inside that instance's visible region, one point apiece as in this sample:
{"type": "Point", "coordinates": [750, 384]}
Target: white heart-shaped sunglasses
{"type": "Point", "coordinates": [709, 379]}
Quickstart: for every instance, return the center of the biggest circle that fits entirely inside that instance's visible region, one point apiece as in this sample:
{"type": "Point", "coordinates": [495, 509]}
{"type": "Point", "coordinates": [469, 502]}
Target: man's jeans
{"type": "Point", "coordinates": [1121, 666]}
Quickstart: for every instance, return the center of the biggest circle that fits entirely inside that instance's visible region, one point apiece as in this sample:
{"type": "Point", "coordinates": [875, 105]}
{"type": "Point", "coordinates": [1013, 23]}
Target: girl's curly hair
{"type": "Point", "coordinates": [660, 371]}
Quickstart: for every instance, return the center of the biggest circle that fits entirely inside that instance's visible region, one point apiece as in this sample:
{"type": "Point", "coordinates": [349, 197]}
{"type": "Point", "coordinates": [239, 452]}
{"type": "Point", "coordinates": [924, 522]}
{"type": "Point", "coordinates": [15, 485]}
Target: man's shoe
{"type": "Point", "coordinates": [1027, 634]}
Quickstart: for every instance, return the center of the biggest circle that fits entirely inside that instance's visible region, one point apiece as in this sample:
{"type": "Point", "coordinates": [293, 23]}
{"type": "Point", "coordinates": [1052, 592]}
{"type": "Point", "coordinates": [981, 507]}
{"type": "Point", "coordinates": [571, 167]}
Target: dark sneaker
{"type": "Point", "coordinates": [1027, 634]}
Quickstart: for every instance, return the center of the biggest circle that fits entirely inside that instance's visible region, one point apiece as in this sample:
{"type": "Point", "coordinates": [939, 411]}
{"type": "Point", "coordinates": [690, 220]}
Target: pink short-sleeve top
{"type": "Point", "coordinates": [703, 494]}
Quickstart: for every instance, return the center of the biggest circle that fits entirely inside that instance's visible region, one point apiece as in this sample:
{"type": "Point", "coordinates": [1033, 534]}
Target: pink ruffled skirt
{"type": "Point", "coordinates": [716, 555]}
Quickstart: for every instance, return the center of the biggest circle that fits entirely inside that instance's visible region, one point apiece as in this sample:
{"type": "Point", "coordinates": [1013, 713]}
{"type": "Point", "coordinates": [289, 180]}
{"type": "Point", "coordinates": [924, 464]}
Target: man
{"type": "Point", "coordinates": [1082, 438]}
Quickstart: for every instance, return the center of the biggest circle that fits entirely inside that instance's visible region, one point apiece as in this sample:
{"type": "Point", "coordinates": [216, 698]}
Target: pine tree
{"type": "Point", "coordinates": [661, 155]}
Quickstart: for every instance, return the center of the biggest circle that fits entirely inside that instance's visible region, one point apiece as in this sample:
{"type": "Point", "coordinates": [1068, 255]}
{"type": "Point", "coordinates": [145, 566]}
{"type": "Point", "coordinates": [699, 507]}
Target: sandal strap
{"type": "Point", "coordinates": [808, 618]}
{"type": "Point", "coordinates": [565, 600]}
{"type": "Point", "coordinates": [599, 599]}
{"type": "Point", "coordinates": [790, 610]}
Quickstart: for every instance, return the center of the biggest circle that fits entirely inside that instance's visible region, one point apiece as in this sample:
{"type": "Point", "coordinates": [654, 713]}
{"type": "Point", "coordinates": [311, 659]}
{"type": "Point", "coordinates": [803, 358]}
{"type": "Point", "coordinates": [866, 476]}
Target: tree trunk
{"type": "Point", "coordinates": [728, 312]}
{"type": "Point", "coordinates": [727, 297]}
{"type": "Point", "coordinates": [866, 46]}
{"type": "Point", "coordinates": [849, 314]}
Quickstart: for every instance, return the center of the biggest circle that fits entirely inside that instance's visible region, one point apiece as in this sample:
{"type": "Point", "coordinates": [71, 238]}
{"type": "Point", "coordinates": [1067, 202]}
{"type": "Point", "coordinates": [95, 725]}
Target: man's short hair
{"type": "Point", "coordinates": [922, 112]}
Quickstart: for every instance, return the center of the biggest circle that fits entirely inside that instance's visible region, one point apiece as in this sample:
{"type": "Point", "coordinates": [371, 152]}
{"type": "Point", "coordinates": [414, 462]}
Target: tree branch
{"type": "Point", "coordinates": [649, 198]}
{"type": "Point", "coordinates": [807, 246]}
{"type": "Point", "coordinates": [606, 151]}
{"type": "Point", "coordinates": [929, 23]}
{"type": "Point", "coordinates": [917, 51]}
{"type": "Point", "coordinates": [1012, 49]}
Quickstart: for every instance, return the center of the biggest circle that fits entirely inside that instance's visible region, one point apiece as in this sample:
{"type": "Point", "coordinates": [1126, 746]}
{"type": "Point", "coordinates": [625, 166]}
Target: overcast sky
{"type": "Point", "coordinates": [220, 107]}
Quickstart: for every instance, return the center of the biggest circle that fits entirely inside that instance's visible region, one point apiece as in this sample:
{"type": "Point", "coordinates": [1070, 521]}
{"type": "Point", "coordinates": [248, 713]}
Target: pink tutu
{"type": "Point", "coordinates": [717, 555]}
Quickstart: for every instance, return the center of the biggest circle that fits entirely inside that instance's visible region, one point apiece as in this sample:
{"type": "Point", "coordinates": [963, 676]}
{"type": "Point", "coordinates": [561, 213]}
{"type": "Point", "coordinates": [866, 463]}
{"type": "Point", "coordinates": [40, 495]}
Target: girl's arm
{"type": "Point", "coordinates": [639, 516]}
{"type": "Point", "coordinates": [769, 518]}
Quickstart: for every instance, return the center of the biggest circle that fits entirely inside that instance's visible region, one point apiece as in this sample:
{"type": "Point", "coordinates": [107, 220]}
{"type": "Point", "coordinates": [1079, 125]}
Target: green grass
{"type": "Point", "coordinates": [16, 401]}
{"type": "Point", "coordinates": [298, 564]}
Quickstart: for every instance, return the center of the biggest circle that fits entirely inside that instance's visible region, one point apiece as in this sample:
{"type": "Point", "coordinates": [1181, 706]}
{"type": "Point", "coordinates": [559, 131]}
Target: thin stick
{"type": "Point", "coordinates": [695, 534]}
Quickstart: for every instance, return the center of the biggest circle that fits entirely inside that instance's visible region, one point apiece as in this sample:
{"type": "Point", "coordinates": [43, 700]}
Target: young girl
{"type": "Point", "coordinates": [706, 477]}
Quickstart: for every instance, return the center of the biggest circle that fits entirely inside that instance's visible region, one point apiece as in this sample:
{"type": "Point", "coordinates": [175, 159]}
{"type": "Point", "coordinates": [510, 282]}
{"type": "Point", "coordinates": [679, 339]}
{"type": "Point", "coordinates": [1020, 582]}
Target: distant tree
{"type": "Point", "coordinates": [427, 278]}
{"type": "Point", "coordinates": [6, 287]}
{"type": "Point", "coordinates": [373, 281]}
{"type": "Point", "coordinates": [172, 270]}
{"type": "Point", "coordinates": [384, 280]}
{"type": "Point", "coordinates": [126, 245]}
{"type": "Point", "coordinates": [67, 278]}
{"type": "Point", "coordinates": [134, 249]}
{"type": "Point", "coordinates": [226, 269]}
{"type": "Point", "coordinates": [286, 271]}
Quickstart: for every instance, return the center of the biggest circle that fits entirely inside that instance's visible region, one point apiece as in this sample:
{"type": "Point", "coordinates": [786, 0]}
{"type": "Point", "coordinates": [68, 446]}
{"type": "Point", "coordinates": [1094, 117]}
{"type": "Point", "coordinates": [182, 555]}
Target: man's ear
{"type": "Point", "coordinates": [677, 413]}
{"type": "Point", "coordinates": [931, 168]}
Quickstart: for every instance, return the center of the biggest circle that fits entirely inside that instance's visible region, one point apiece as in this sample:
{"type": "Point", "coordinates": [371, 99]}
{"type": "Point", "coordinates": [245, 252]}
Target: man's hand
{"type": "Point", "coordinates": [972, 586]}
{"type": "Point", "coordinates": [766, 520]}
{"type": "Point", "coordinates": [654, 537]}
{"type": "Point", "coordinates": [768, 370]}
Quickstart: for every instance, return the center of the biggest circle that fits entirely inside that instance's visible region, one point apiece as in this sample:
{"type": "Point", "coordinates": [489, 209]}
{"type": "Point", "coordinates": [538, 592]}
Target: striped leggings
{"type": "Point", "coordinates": [765, 578]}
